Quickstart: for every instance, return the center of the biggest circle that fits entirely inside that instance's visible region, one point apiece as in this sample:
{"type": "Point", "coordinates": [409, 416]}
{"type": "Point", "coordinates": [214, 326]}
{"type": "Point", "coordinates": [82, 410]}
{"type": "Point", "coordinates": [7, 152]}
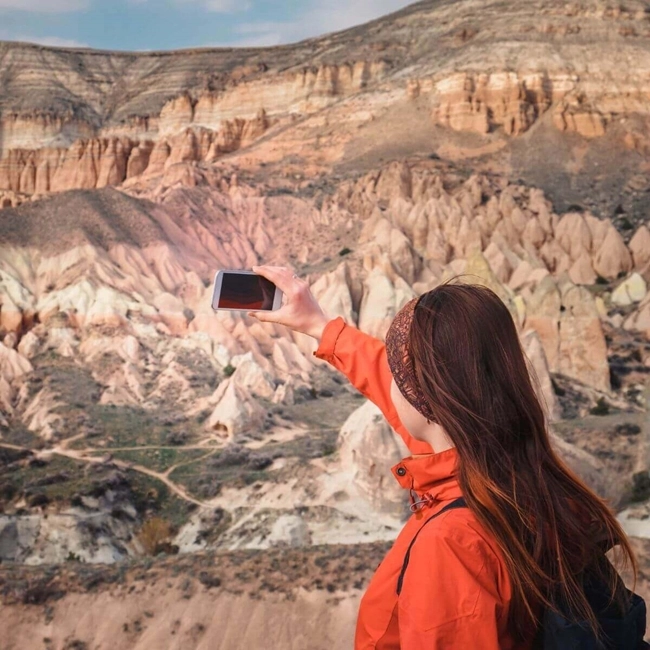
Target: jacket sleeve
{"type": "Point", "coordinates": [450, 597]}
{"type": "Point", "coordinates": [362, 359]}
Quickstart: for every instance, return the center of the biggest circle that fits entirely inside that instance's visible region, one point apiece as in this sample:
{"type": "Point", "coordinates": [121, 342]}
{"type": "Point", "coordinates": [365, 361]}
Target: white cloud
{"type": "Point", "coordinates": [323, 16]}
{"type": "Point", "coordinates": [259, 28]}
{"type": "Point", "coordinates": [219, 6]}
{"type": "Point", "coordinates": [45, 6]}
{"type": "Point", "coordinates": [52, 41]}
{"type": "Point", "coordinates": [316, 18]}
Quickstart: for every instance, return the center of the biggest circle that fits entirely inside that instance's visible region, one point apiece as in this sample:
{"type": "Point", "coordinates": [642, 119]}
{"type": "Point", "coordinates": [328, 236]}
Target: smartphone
{"type": "Point", "coordinates": [244, 291]}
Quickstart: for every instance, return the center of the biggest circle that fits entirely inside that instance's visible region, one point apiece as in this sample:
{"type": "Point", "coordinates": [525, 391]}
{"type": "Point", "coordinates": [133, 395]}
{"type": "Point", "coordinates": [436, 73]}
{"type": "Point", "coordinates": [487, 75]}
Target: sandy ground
{"type": "Point", "coordinates": [157, 616]}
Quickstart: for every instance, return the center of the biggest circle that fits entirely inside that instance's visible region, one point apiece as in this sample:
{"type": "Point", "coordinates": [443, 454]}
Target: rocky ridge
{"type": "Point", "coordinates": [106, 305]}
{"type": "Point", "coordinates": [494, 91]}
{"type": "Point", "coordinates": [508, 149]}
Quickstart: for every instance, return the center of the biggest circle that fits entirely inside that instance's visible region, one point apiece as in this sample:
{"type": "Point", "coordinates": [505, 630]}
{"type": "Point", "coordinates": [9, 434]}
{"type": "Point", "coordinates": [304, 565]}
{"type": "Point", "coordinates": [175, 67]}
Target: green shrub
{"type": "Point", "coordinates": [155, 535]}
{"type": "Point", "coordinates": [345, 251]}
{"type": "Point", "coordinates": [640, 486]}
{"type": "Point", "coordinates": [228, 370]}
{"type": "Point", "coordinates": [601, 408]}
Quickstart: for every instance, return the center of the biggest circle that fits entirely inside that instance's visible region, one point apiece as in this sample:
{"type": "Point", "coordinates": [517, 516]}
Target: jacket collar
{"type": "Point", "coordinates": [432, 474]}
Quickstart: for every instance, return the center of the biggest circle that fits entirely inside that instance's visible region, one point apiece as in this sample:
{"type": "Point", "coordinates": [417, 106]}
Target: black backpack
{"type": "Point", "coordinates": [557, 632]}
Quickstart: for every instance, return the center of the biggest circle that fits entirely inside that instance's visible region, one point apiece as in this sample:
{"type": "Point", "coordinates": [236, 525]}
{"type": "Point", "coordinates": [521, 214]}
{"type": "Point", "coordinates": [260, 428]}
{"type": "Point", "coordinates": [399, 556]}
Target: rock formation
{"type": "Point", "coordinates": [473, 91]}
{"type": "Point", "coordinates": [378, 162]}
{"type": "Point", "coordinates": [368, 449]}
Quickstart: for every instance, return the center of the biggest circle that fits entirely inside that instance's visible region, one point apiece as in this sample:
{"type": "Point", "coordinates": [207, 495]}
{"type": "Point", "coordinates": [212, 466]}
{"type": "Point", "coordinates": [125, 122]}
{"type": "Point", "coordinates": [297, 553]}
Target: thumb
{"type": "Point", "coordinates": [258, 315]}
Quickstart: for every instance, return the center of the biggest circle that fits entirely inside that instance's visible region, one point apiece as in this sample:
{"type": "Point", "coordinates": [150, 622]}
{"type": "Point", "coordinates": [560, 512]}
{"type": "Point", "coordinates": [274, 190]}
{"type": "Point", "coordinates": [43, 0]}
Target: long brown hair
{"type": "Point", "coordinates": [470, 364]}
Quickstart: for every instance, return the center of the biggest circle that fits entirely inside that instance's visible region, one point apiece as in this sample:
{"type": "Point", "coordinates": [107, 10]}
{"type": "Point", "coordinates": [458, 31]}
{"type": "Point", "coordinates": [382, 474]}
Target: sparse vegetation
{"type": "Point", "coordinates": [228, 370]}
{"type": "Point", "coordinates": [575, 207]}
{"type": "Point", "coordinates": [329, 567]}
{"type": "Point", "coordinates": [233, 465]}
{"type": "Point", "coordinates": [627, 429]}
{"type": "Point", "coordinates": [132, 426]}
{"type": "Point", "coordinates": [153, 498]}
{"type": "Point", "coordinates": [640, 486]}
{"type": "Point", "coordinates": [601, 408]}
{"type": "Point", "coordinates": [159, 459]}
{"type": "Point", "coordinates": [209, 580]}
{"type": "Point", "coordinates": [155, 536]}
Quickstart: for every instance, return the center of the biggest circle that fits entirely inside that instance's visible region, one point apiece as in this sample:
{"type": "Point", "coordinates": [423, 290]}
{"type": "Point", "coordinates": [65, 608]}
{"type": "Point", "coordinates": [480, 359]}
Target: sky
{"type": "Point", "coordinates": [138, 25]}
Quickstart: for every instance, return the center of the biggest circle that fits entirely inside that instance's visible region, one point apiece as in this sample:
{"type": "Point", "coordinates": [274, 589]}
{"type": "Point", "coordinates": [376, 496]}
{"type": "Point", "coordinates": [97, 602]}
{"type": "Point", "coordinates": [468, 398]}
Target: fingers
{"type": "Point", "coordinates": [271, 316]}
{"type": "Point", "coordinates": [281, 276]}
{"type": "Point", "coordinates": [260, 316]}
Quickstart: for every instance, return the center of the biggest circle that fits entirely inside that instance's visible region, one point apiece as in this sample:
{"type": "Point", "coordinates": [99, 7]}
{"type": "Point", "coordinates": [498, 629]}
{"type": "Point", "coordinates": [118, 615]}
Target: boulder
{"type": "Point", "coordinates": [639, 319]}
{"type": "Point", "coordinates": [12, 363]}
{"type": "Point", "coordinates": [582, 271]}
{"type": "Point", "coordinates": [541, 377]}
{"type": "Point", "coordinates": [573, 234]}
{"type": "Point", "coordinates": [543, 316]}
{"type": "Point", "coordinates": [284, 393]}
{"type": "Point", "coordinates": [631, 290]}
{"type": "Point", "coordinates": [368, 448]}
{"type": "Point", "coordinates": [608, 485]}
{"type": "Point", "coordinates": [382, 299]}
{"type": "Point", "coordinates": [236, 410]}
{"type": "Point", "coordinates": [640, 247]}
{"type": "Point", "coordinates": [289, 530]}
{"type": "Point", "coordinates": [333, 293]}
{"type": "Point", "coordinates": [612, 257]}
{"type": "Point", "coordinates": [583, 349]}
{"type": "Point", "coordinates": [479, 272]}
{"type": "Point", "coordinates": [250, 375]}
{"type": "Point", "coordinates": [498, 262]}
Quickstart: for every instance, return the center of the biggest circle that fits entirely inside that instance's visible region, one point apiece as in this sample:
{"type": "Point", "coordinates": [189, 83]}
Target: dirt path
{"type": "Point", "coordinates": [81, 455]}
{"type": "Point", "coordinates": [284, 434]}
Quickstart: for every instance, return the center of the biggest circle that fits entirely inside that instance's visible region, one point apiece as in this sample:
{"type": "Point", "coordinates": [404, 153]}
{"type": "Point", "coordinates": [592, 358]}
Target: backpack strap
{"type": "Point", "coordinates": [457, 503]}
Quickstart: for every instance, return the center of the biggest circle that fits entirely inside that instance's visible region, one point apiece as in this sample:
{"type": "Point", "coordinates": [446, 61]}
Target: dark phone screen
{"type": "Point", "coordinates": [246, 292]}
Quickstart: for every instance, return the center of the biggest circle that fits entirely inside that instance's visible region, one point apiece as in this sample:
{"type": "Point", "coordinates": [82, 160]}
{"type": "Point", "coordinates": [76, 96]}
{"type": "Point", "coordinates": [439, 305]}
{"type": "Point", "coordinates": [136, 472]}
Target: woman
{"type": "Point", "coordinates": [452, 380]}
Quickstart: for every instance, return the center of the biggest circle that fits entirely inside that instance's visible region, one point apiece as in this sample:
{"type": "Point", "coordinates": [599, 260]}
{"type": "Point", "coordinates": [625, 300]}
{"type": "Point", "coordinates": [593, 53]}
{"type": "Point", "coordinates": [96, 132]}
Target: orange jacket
{"type": "Point", "coordinates": [456, 591]}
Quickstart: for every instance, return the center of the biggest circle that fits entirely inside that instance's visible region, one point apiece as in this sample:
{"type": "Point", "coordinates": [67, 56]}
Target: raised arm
{"type": "Point", "coordinates": [362, 359]}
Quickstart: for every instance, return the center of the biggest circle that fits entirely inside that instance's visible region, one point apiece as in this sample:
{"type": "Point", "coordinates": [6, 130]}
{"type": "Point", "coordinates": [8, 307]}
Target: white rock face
{"type": "Point", "coordinates": [29, 345]}
{"type": "Point", "coordinates": [639, 319]}
{"type": "Point", "coordinates": [139, 317]}
{"type": "Point", "coordinates": [284, 393]}
{"type": "Point", "coordinates": [568, 324]}
{"type": "Point", "coordinates": [12, 363]}
{"type": "Point", "coordinates": [289, 530]}
{"type": "Point", "coordinates": [535, 352]}
{"type": "Point", "coordinates": [333, 293]}
{"type": "Point", "coordinates": [382, 299]}
{"type": "Point", "coordinates": [249, 375]}
{"type": "Point", "coordinates": [612, 256]}
{"type": "Point", "coordinates": [640, 247]}
{"type": "Point", "coordinates": [236, 411]}
{"type": "Point", "coordinates": [583, 350]}
{"type": "Point", "coordinates": [36, 539]}
{"type": "Point", "coordinates": [368, 448]}
{"type": "Point", "coordinates": [631, 290]}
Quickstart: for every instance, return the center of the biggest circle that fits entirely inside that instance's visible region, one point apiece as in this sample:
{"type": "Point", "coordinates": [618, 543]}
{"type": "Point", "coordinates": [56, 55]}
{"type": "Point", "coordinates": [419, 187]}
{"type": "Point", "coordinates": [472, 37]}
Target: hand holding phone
{"type": "Point", "coordinates": [301, 311]}
{"type": "Point", "coordinates": [244, 290]}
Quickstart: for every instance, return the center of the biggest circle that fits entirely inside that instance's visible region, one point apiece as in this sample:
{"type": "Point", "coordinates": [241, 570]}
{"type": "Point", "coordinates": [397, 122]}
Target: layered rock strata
{"type": "Point", "coordinates": [485, 84]}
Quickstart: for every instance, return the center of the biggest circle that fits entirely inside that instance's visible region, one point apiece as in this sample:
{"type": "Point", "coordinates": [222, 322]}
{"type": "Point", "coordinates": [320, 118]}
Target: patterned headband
{"type": "Point", "coordinates": [400, 359]}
